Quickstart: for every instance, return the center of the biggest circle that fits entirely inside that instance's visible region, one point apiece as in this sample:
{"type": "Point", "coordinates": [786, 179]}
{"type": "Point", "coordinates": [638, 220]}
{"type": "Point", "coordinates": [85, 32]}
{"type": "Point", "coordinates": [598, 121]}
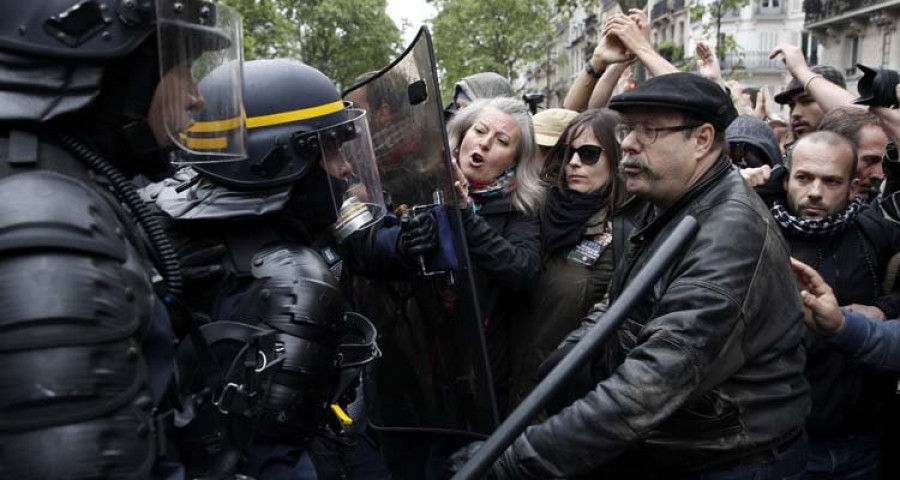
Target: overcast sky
{"type": "Point", "coordinates": [413, 11]}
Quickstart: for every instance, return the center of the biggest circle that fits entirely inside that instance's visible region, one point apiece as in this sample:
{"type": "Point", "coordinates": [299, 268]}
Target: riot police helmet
{"type": "Point", "coordinates": [298, 128]}
{"type": "Point", "coordinates": [60, 56]}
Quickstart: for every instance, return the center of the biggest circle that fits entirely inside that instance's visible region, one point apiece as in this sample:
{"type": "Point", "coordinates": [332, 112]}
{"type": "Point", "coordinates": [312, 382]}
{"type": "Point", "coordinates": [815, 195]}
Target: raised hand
{"type": "Point", "coordinates": [640, 17]}
{"type": "Point", "coordinates": [709, 63]}
{"type": "Point", "coordinates": [611, 50]}
{"type": "Point", "coordinates": [792, 57]}
{"type": "Point", "coordinates": [628, 31]}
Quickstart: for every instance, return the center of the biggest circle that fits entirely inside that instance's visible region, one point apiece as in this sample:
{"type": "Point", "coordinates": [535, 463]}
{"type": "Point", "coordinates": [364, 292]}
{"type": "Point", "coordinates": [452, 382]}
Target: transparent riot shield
{"type": "Point", "coordinates": [434, 373]}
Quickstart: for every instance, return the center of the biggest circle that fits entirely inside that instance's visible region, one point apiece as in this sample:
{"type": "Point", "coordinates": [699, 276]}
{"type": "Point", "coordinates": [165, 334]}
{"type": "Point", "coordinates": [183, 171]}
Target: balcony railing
{"type": "Point", "coordinates": [660, 9]}
{"type": "Point", "coordinates": [816, 10]}
{"type": "Point", "coordinates": [751, 60]}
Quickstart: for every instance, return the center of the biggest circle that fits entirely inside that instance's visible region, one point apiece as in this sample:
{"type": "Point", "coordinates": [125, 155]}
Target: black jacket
{"type": "Point", "coordinates": [848, 397]}
{"type": "Point", "coordinates": [708, 368]}
{"type": "Point", "coordinates": [505, 248]}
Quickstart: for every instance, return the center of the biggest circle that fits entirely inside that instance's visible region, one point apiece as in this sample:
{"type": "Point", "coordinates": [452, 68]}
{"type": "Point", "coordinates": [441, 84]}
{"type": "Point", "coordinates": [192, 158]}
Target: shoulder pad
{"type": "Point", "coordinates": [40, 209]}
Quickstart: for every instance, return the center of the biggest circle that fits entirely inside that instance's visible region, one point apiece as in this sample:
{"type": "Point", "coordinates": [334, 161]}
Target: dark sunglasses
{"type": "Point", "coordinates": [588, 154]}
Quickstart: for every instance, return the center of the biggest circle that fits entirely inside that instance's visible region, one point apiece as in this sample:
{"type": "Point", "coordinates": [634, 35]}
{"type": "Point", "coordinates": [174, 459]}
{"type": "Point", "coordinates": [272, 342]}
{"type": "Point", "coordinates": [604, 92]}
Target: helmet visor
{"type": "Point", "coordinates": [201, 87]}
{"type": "Point", "coordinates": [345, 154]}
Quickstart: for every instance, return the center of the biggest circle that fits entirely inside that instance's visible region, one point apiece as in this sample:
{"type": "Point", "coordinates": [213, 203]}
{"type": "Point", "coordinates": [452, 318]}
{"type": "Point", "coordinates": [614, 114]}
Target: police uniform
{"type": "Point", "coordinates": [86, 349]}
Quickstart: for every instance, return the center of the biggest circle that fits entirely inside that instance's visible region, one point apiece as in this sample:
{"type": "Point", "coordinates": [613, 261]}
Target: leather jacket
{"type": "Point", "coordinates": [708, 368]}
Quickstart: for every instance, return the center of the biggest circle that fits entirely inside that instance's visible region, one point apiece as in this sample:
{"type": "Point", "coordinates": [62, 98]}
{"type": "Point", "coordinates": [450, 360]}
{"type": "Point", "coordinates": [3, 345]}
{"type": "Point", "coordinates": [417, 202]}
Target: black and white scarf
{"type": "Point", "coordinates": [819, 227]}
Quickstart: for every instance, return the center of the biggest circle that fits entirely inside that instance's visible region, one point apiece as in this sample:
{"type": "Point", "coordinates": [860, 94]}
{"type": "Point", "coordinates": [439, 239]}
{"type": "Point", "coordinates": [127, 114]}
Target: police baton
{"type": "Point", "coordinates": [583, 351]}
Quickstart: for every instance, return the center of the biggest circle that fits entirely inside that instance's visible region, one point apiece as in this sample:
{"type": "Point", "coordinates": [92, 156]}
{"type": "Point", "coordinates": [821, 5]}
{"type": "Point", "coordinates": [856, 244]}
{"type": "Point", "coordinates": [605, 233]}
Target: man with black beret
{"type": "Point", "coordinates": [705, 377]}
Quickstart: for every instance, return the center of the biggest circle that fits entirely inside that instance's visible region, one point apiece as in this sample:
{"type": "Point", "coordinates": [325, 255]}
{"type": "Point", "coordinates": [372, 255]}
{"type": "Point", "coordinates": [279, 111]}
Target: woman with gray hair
{"type": "Point", "coordinates": [498, 182]}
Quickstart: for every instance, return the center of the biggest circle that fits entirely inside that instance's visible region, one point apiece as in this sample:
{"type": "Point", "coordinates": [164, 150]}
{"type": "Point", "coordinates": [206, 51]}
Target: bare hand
{"type": "Point", "coordinates": [890, 120]}
{"type": "Point", "coordinates": [741, 102]}
{"type": "Point", "coordinates": [867, 310]}
{"type": "Point", "coordinates": [461, 185]}
{"type": "Point", "coordinates": [761, 112]}
{"type": "Point", "coordinates": [611, 50]}
{"type": "Point", "coordinates": [792, 57]}
{"type": "Point", "coordinates": [640, 17]}
{"type": "Point", "coordinates": [823, 315]}
{"type": "Point", "coordinates": [757, 176]}
{"type": "Point", "coordinates": [709, 63]}
{"type": "Point", "coordinates": [627, 31]}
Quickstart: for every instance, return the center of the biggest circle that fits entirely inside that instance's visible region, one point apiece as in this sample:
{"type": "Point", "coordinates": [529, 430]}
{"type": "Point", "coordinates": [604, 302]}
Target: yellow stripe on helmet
{"type": "Point", "coordinates": [295, 115]}
{"type": "Point", "coordinates": [217, 126]}
{"type": "Point", "coordinates": [198, 143]}
{"type": "Point", "coordinates": [214, 126]}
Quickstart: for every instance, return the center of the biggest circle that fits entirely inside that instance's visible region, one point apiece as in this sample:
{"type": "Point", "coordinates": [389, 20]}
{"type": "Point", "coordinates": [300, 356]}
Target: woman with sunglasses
{"type": "Point", "coordinates": [576, 232]}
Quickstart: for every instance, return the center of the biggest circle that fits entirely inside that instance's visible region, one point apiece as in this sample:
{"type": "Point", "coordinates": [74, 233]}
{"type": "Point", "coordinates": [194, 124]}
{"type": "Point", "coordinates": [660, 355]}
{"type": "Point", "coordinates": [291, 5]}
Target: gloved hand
{"type": "Point", "coordinates": [500, 470]}
{"type": "Point", "coordinates": [890, 206]}
{"type": "Point", "coordinates": [462, 456]}
{"type": "Point", "coordinates": [418, 233]}
{"type": "Point", "coordinates": [201, 263]}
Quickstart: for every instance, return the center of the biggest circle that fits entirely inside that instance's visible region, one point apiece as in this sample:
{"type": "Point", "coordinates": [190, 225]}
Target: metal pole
{"type": "Point", "coordinates": [582, 352]}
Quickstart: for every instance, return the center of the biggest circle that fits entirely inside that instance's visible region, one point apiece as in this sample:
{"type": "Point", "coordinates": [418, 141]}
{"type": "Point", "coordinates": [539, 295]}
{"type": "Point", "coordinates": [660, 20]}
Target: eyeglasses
{"type": "Point", "coordinates": [587, 154]}
{"type": "Point", "coordinates": [647, 135]}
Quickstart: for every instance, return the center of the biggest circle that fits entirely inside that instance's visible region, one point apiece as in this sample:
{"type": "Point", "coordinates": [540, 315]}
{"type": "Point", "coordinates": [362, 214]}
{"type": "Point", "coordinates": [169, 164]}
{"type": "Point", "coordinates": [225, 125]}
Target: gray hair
{"type": "Point", "coordinates": [529, 192]}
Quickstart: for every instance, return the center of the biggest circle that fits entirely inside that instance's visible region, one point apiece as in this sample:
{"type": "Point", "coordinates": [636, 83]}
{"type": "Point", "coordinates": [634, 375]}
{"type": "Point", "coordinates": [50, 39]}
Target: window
{"type": "Point", "coordinates": [886, 49]}
{"type": "Point", "coordinates": [770, 6]}
{"type": "Point", "coordinates": [851, 55]}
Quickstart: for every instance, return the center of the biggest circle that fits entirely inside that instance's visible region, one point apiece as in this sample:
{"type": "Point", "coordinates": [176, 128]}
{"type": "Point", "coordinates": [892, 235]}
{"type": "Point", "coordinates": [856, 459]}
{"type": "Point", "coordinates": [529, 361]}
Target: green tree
{"type": "Point", "coordinates": [716, 9]}
{"type": "Point", "coordinates": [472, 36]}
{"type": "Point", "coordinates": [344, 38]}
{"type": "Point", "coordinates": [267, 32]}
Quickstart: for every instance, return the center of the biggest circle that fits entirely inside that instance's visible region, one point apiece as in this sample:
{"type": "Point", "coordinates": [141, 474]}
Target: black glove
{"type": "Point", "coordinates": [500, 470]}
{"type": "Point", "coordinates": [890, 207]}
{"type": "Point", "coordinates": [418, 233]}
{"type": "Point", "coordinates": [891, 166]}
{"type": "Point", "coordinates": [201, 263]}
{"type": "Point", "coordinates": [461, 457]}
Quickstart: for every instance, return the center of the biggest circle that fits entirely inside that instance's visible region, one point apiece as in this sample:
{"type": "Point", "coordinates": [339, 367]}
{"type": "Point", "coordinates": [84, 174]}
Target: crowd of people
{"type": "Point", "coordinates": [263, 298]}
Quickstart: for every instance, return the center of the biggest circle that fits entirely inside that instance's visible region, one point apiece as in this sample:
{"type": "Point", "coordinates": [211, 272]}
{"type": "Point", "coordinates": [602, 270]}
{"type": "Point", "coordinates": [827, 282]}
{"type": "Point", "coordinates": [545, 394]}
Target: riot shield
{"type": "Point", "coordinates": [433, 375]}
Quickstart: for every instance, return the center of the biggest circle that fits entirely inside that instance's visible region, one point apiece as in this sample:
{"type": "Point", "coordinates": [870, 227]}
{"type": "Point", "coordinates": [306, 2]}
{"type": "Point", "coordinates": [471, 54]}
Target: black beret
{"type": "Point", "coordinates": [684, 92]}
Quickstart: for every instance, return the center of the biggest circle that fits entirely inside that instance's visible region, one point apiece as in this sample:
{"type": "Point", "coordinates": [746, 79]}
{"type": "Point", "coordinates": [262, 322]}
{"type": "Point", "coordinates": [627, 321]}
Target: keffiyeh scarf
{"type": "Point", "coordinates": [818, 227]}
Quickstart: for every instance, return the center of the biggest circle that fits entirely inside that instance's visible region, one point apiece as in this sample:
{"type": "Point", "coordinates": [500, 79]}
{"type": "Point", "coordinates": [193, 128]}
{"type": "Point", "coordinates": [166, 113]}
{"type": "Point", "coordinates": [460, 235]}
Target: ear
{"type": "Point", "coordinates": [704, 136]}
{"type": "Point", "coordinates": [855, 186]}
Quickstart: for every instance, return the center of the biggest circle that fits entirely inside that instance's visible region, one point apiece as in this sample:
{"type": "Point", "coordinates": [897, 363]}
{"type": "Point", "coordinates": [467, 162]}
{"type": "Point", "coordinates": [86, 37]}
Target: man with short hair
{"type": "Point", "coordinates": [704, 379]}
{"type": "Point", "coordinates": [849, 244]}
{"type": "Point", "coordinates": [864, 130]}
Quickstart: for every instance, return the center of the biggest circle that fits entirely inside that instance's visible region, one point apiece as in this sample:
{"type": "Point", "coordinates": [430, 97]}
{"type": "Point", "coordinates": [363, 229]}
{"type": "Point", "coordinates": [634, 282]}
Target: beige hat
{"type": "Point", "coordinates": [549, 125]}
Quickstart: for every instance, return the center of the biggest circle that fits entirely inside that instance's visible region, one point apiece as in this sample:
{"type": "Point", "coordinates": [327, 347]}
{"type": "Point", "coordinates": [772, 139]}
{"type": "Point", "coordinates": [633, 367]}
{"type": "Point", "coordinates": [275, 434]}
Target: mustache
{"type": "Point", "coordinates": [632, 162]}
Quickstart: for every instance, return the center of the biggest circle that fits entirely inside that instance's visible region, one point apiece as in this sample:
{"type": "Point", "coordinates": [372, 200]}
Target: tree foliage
{"type": "Point", "coordinates": [716, 10]}
{"type": "Point", "coordinates": [342, 38]}
{"type": "Point", "coordinates": [267, 32]}
{"type": "Point", "coordinates": [472, 36]}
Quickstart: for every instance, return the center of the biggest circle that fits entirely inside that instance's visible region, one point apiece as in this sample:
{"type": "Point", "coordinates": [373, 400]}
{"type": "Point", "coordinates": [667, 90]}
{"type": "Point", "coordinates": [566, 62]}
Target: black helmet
{"type": "Point", "coordinates": [283, 99]}
{"type": "Point", "coordinates": [57, 54]}
{"type": "Point", "coordinates": [97, 29]}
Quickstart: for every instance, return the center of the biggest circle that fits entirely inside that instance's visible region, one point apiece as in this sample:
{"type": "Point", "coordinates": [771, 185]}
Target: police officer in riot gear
{"type": "Point", "coordinates": [266, 226]}
{"type": "Point", "coordinates": [86, 349]}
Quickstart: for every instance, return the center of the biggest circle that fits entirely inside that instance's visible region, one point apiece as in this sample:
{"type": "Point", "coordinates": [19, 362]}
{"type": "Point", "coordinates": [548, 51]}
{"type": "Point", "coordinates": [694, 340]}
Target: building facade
{"type": "Point", "coordinates": [844, 33]}
{"type": "Point", "coordinates": [571, 44]}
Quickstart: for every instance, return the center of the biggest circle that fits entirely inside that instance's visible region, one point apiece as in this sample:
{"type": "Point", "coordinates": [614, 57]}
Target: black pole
{"type": "Point", "coordinates": [582, 352]}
